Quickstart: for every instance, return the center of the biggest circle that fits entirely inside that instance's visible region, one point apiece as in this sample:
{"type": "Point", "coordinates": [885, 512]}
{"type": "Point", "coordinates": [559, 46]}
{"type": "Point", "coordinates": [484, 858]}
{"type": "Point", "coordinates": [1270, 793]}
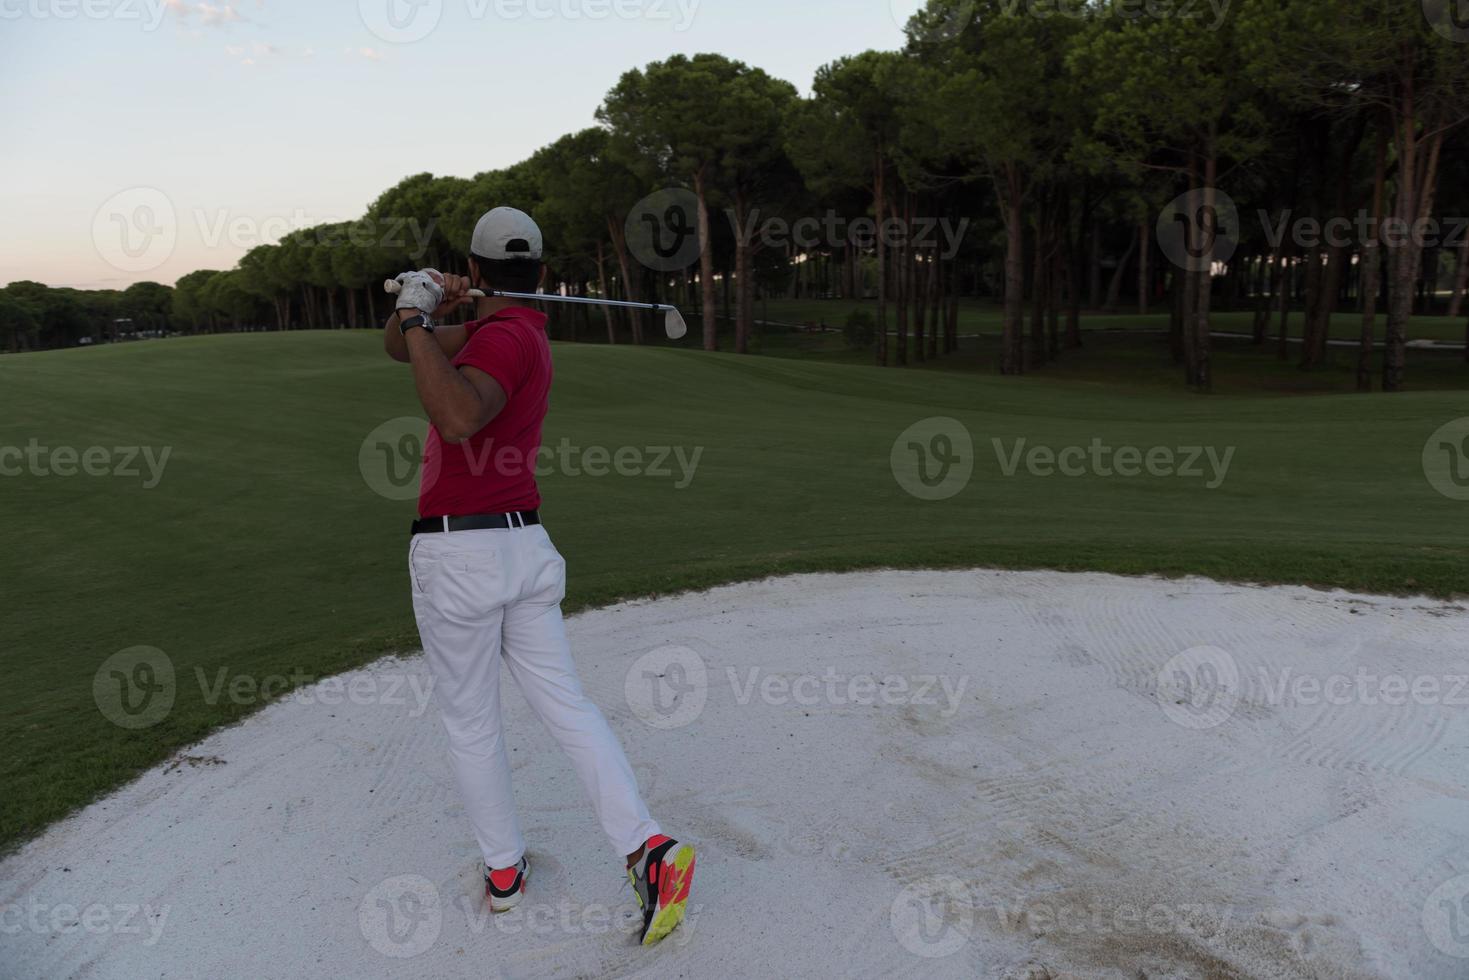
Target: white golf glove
{"type": "Point", "coordinates": [421, 291]}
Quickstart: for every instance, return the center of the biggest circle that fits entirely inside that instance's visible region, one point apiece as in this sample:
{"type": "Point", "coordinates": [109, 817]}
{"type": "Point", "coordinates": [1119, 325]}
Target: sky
{"type": "Point", "coordinates": [150, 138]}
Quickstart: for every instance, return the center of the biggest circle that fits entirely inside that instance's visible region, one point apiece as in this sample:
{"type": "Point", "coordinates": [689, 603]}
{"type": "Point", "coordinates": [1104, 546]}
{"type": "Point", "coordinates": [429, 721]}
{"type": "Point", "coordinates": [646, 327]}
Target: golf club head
{"type": "Point", "coordinates": [675, 326]}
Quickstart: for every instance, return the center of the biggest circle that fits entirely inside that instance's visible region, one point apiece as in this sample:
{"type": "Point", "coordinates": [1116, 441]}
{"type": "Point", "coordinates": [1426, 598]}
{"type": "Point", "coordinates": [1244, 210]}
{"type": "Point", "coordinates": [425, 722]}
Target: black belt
{"type": "Point", "coordinates": [479, 522]}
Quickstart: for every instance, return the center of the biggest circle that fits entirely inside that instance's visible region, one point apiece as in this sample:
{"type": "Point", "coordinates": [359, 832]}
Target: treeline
{"type": "Point", "coordinates": [33, 315]}
{"type": "Point", "coordinates": [1293, 158]}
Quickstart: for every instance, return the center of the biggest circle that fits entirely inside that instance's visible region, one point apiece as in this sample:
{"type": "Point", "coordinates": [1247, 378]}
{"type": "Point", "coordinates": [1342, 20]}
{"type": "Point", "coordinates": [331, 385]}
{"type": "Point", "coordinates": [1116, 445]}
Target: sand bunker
{"type": "Point", "coordinates": [1019, 775]}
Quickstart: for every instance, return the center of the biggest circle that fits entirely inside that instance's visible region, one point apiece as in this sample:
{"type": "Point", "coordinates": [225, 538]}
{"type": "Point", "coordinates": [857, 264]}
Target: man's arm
{"type": "Point", "coordinates": [451, 340]}
{"type": "Point", "coordinates": [459, 401]}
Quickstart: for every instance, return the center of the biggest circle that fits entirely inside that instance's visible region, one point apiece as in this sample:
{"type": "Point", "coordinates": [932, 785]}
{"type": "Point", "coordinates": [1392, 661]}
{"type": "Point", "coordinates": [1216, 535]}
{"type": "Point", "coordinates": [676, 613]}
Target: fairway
{"type": "Point", "coordinates": [262, 554]}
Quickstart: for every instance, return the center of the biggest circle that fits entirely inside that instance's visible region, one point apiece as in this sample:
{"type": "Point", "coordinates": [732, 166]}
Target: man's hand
{"type": "Point", "coordinates": [430, 286]}
{"type": "Point", "coordinates": [453, 292]}
{"type": "Point", "coordinates": [456, 293]}
{"type": "Point", "coordinates": [423, 291]}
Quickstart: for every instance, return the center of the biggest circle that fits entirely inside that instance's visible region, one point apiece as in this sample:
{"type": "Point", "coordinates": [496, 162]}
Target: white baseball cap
{"type": "Point", "coordinates": [506, 233]}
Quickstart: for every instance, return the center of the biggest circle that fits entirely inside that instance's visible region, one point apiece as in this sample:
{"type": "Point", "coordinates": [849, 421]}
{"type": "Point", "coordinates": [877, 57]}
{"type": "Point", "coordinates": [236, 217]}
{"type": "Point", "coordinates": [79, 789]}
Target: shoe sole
{"type": "Point", "coordinates": [667, 918]}
{"type": "Point", "coordinates": [498, 905]}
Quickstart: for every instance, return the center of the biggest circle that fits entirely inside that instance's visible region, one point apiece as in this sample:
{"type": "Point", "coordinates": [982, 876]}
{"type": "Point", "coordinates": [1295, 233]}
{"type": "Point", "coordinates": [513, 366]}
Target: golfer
{"type": "Point", "coordinates": [487, 581]}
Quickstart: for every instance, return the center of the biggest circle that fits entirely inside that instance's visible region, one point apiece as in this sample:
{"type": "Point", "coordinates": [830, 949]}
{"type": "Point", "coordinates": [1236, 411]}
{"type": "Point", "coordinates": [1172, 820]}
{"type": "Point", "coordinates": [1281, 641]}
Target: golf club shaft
{"type": "Point", "coordinates": [394, 287]}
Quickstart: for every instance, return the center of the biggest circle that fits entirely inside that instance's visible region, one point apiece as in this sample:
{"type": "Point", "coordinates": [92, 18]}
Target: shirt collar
{"type": "Point", "coordinates": [534, 317]}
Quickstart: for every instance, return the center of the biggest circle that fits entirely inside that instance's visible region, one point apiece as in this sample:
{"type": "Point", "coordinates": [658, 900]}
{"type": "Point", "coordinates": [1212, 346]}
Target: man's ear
{"type": "Point", "coordinates": [474, 279]}
{"type": "Point", "coordinates": [541, 280]}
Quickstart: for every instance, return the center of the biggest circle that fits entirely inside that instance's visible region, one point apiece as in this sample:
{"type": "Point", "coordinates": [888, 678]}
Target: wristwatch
{"type": "Point", "coordinates": [420, 320]}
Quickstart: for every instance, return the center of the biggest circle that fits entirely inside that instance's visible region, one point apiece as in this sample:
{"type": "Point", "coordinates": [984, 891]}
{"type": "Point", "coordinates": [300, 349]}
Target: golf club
{"type": "Point", "coordinates": [673, 323]}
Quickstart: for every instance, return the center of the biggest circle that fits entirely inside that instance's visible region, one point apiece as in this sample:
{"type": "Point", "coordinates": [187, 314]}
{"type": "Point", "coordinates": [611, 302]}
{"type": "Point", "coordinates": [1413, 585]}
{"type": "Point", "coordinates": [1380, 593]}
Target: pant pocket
{"type": "Point", "coordinates": [550, 580]}
{"type": "Point", "coordinates": [415, 572]}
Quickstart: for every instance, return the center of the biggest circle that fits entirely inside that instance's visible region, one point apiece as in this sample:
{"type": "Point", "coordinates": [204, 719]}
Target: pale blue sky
{"type": "Point", "coordinates": [256, 117]}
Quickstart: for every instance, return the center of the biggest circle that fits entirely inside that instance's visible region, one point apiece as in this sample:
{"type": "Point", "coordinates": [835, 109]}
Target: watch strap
{"type": "Point", "coordinates": [415, 321]}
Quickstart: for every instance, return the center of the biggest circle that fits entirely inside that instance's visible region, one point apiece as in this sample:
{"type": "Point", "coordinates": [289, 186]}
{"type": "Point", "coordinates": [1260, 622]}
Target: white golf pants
{"type": "Point", "coordinates": [486, 596]}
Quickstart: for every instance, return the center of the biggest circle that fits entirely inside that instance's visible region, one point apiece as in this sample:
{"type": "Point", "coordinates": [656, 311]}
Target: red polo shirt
{"type": "Point", "coordinates": [493, 472]}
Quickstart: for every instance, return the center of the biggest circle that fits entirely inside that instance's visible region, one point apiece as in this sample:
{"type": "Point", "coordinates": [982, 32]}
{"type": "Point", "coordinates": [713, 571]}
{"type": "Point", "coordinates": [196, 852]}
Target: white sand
{"type": "Point", "coordinates": [1055, 820]}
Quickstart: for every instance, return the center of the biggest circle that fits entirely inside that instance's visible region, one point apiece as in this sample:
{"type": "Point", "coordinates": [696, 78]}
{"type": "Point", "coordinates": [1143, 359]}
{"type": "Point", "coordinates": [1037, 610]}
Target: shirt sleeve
{"type": "Point", "coordinates": [498, 353]}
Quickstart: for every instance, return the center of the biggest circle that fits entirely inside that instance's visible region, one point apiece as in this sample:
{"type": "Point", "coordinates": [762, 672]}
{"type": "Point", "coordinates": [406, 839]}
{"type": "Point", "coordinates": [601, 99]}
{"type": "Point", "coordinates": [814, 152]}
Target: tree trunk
{"type": "Point", "coordinates": [745, 274]}
{"type": "Point", "coordinates": [951, 321]}
{"type": "Point", "coordinates": [1399, 310]}
{"type": "Point", "coordinates": [747, 293]}
{"type": "Point", "coordinates": [920, 308]}
{"type": "Point", "coordinates": [1054, 279]}
{"type": "Point", "coordinates": [902, 277]}
{"type": "Point", "coordinates": [935, 296]}
{"type": "Point", "coordinates": [1314, 300]}
{"type": "Point", "coordinates": [1417, 179]}
{"type": "Point", "coordinates": [1073, 307]}
{"type": "Point", "coordinates": [1178, 301]}
{"type": "Point", "coordinates": [1145, 245]}
{"type": "Point", "coordinates": [920, 300]}
{"type": "Point", "coordinates": [742, 300]}
{"type": "Point", "coordinates": [1427, 279]}
{"type": "Point", "coordinates": [1071, 270]}
{"type": "Point", "coordinates": [1336, 261]}
{"type": "Point", "coordinates": [1114, 290]}
{"type": "Point", "coordinates": [1461, 279]}
{"type": "Point", "coordinates": [1287, 286]}
{"type": "Point", "coordinates": [1011, 361]}
{"type": "Point", "coordinates": [1204, 371]}
{"type": "Point", "coordinates": [1263, 299]}
{"type": "Point", "coordinates": [1329, 284]}
{"type": "Point", "coordinates": [1094, 271]}
{"type": "Point", "coordinates": [1191, 283]}
{"type": "Point", "coordinates": [879, 196]}
{"type": "Point", "coordinates": [725, 305]}
{"type": "Point", "coordinates": [1039, 287]}
{"type": "Point", "coordinates": [602, 285]}
{"type": "Point", "coordinates": [706, 268]}
{"type": "Point", "coordinates": [629, 281]}
{"type": "Point", "coordinates": [1371, 270]}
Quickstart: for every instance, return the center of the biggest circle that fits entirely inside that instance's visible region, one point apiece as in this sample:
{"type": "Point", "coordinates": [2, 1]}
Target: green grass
{"type": "Point", "coordinates": [981, 316]}
{"type": "Point", "coordinates": [1115, 353]}
{"type": "Point", "coordinates": [264, 553]}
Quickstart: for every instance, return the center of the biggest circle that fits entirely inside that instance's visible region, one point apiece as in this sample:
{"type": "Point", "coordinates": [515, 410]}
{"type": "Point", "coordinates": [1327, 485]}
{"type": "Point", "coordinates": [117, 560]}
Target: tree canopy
{"type": "Point", "coordinates": [1090, 151]}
